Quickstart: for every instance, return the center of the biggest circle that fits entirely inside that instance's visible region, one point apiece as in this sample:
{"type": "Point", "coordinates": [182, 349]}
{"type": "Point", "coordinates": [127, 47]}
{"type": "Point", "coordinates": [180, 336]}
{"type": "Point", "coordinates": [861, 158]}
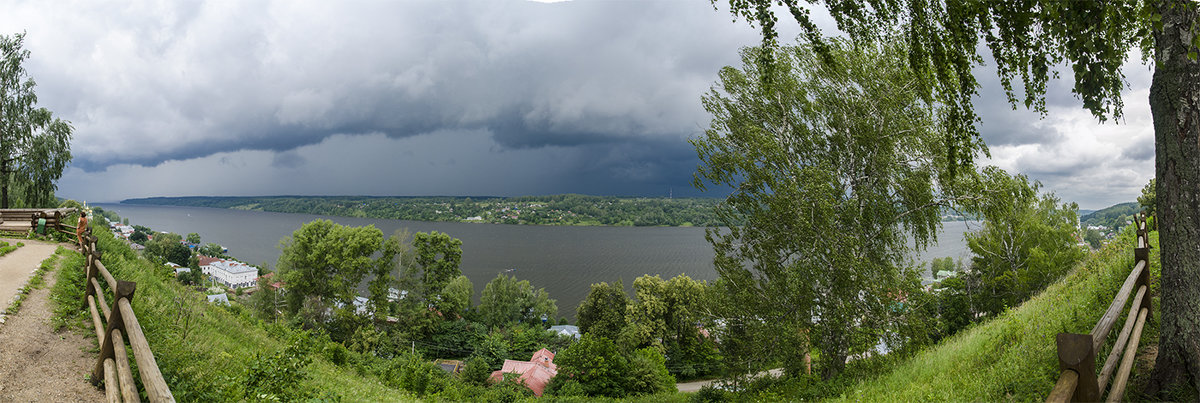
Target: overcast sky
{"type": "Point", "coordinates": [450, 98]}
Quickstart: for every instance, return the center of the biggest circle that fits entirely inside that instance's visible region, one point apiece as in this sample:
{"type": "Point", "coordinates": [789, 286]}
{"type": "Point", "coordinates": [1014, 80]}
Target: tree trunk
{"type": "Point", "coordinates": [1175, 106]}
{"type": "Point", "coordinates": [4, 184]}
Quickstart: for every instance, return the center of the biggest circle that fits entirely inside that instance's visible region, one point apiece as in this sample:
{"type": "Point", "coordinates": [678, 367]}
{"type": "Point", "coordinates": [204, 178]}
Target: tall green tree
{"type": "Point", "coordinates": [602, 312]}
{"type": "Point", "coordinates": [325, 261]}
{"type": "Point", "coordinates": [1025, 40]}
{"type": "Point", "coordinates": [456, 297]}
{"type": "Point", "coordinates": [193, 238]}
{"type": "Point", "coordinates": [391, 254]}
{"type": "Point", "coordinates": [667, 315]}
{"type": "Point", "coordinates": [506, 300]}
{"type": "Point", "coordinates": [438, 256]}
{"type": "Point", "coordinates": [1146, 200]}
{"type": "Point", "coordinates": [832, 165]}
{"type": "Point", "coordinates": [35, 147]}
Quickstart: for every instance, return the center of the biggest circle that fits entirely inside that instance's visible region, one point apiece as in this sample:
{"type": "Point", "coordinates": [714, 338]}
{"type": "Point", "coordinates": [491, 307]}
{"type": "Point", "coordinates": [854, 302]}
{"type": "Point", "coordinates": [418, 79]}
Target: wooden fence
{"type": "Point", "coordinates": [120, 323]}
{"type": "Point", "coordinates": [1077, 352]}
{"type": "Point", "coordinates": [23, 220]}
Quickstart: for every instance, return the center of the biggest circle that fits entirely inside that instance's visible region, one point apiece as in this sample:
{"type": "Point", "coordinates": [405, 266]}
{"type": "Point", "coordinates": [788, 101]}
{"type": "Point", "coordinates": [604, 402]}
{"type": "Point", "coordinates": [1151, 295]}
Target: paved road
{"type": "Point", "coordinates": [18, 265]}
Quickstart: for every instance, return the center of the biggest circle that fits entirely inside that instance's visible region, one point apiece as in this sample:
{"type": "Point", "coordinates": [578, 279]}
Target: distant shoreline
{"type": "Point", "coordinates": [552, 210]}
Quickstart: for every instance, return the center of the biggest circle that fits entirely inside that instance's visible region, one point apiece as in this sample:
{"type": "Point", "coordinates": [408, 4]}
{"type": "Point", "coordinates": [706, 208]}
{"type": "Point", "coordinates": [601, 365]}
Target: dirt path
{"type": "Point", "coordinates": [37, 364]}
{"type": "Point", "coordinates": [18, 265]}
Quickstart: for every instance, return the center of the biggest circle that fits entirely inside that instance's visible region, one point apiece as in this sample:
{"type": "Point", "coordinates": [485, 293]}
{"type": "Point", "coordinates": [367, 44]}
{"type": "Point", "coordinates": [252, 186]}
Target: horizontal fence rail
{"type": "Point", "coordinates": [24, 220]}
{"type": "Point", "coordinates": [1078, 381]}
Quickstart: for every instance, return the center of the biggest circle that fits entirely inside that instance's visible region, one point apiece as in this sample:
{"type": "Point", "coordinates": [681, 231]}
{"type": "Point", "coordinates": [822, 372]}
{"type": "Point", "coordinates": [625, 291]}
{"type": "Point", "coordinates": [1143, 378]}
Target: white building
{"type": "Point", "coordinates": [231, 273]}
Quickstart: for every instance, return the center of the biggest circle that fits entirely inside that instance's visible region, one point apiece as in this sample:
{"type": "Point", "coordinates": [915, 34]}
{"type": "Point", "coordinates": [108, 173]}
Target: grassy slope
{"type": "Point", "coordinates": [1013, 357]}
{"type": "Point", "coordinates": [210, 363]}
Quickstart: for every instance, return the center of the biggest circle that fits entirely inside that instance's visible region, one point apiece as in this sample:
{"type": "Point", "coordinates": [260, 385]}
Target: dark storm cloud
{"type": "Point", "coordinates": [175, 82]}
{"type": "Point", "coordinates": [446, 97]}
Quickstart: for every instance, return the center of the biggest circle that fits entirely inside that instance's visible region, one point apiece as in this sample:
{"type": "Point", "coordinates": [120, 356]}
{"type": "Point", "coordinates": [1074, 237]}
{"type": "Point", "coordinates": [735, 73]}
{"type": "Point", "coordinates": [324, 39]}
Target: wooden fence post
{"type": "Point", "coordinates": [124, 290]}
{"type": "Point", "coordinates": [1140, 254]}
{"type": "Point", "coordinates": [1075, 353]}
{"type": "Point", "coordinates": [89, 269]}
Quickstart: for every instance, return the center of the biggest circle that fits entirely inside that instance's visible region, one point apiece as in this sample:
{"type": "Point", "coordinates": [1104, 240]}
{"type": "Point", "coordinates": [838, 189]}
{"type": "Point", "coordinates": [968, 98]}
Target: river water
{"type": "Point", "coordinates": [563, 260]}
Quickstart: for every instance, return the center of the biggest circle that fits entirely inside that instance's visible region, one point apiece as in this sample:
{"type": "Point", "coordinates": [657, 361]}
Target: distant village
{"type": "Point", "coordinates": [225, 275]}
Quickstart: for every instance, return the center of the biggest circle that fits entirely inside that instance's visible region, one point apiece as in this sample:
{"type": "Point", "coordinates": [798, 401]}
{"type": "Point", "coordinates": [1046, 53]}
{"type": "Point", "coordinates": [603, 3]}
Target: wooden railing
{"type": "Point", "coordinates": [112, 366]}
{"type": "Point", "coordinates": [1077, 352]}
{"type": "Point", "coordinates": [23, 220]}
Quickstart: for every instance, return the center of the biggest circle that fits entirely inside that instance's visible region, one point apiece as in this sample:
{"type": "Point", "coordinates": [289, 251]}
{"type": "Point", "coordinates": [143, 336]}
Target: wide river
{"type": "Point", "coordinates": [563, 260]}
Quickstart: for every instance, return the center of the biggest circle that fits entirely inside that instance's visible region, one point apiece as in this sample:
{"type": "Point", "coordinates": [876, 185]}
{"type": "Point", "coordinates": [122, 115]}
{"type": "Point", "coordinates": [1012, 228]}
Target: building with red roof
{"type": "Point", "coordinates": [535, 373]}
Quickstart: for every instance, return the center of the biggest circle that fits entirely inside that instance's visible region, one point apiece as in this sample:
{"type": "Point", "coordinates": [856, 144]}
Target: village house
{"type": "Point", "coordinates": [535, 373]}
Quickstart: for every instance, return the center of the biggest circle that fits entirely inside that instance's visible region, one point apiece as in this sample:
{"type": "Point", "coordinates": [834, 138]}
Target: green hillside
{"type": "Point", "coordinates": [1012, 357]}
{"type": "Point", "coordinates": [214, 353]}
{"type": "Point", "coordinates": [1113, 216]}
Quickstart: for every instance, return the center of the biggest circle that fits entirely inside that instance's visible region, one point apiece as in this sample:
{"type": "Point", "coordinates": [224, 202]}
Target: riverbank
{"type": "Point", "coordinates": [566, 210]}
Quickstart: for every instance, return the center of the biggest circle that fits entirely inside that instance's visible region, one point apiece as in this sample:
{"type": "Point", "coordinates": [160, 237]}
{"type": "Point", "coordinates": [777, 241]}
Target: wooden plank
{"type": "Point", "coordinates": [108, 277]}
{"type": "Point", "coordinates": [1111, 363]}
{"type": "Point", "coordinates": [1105, 325]}
{"type": "Point", "coordinates": [1065, 388]}
{"type": "Point", "coordinates": [100, 297]}
{"type": "Point", "coordinates": [96, 320]}
{"type": "Point", "coordinates": [152, 379]}
{"type": "Point", "coordinates": [123, 291]}
{"type": "Point", "coordinates": [1118, 389]}
{"type": "Point", "coordinates": [129, 391]}
{"type": "Point", "coordinates": [110, 382]}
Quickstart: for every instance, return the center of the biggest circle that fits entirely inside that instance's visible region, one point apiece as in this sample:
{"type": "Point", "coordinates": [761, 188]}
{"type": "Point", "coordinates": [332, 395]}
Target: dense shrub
{"type": "Point", "coordinates": [599, 368]}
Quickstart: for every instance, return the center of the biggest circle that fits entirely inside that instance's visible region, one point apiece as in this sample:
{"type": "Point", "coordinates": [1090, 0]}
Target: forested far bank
{"type": "Point", "coordinates": [565, 209]}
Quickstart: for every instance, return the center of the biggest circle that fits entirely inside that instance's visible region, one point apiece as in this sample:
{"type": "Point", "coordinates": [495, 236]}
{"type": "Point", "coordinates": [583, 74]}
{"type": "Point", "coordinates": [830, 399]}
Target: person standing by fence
{"type": "Point", "coordinates": [83, 223]}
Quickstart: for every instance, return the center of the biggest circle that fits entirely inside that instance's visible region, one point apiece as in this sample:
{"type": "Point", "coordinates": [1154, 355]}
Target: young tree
{"type": "Point", "coordinates": [602, 312]}
{"type": "Point", "coordinates": [666, 315]}
{"type": "Point", "coordinates": [211, 250]}
{"type": "Point", "coordinates": [1146, 200]}
{"type": "Point", "coordinates": [456, 297]}
{"type": "Point", "coordinates": [1094, 238]}
{"type": "Point", "coordinates": [506, 300]}
{"type": "Point", "coordinates": [1095, 38]}
{"type": "Point", "coordinates": [438, 255]}
{"type": "Point", "coordinates": [832, 165]}
{"type": "Point", "coordinates": [35, 147]}
{"type": "Point", "coordinates": [392, 253]}
{"type": "Point", "coordinates": [1026, 242]}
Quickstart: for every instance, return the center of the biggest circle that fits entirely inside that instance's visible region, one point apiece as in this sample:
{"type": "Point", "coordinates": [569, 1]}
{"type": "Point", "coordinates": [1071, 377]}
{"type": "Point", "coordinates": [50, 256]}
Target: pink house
{"type": "Point", "coordinates": [535, 373]}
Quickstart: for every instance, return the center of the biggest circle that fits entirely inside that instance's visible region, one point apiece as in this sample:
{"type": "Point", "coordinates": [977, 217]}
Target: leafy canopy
{"type": "Point", "coordinates": [1026, 41]}
{"type": "Point", "coordinates": [834, 163]}
{"type": "Point", "coordinates": [35, 147]}
{"type": "Point", "coordinates": [326, 261]}
{"type": "Point", "coordinates": [506, 300]}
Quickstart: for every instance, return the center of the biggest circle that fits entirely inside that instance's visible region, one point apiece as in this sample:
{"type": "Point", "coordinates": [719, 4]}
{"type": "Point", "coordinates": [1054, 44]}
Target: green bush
{"type": "Point", "coordinates": [601, 369]}
{"type": "Point", "coordinates": [279, 376]}
{"type": "Point", "coordinates": [475, 371]}
{"type": "Point", "coordinates": [416, 375]}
